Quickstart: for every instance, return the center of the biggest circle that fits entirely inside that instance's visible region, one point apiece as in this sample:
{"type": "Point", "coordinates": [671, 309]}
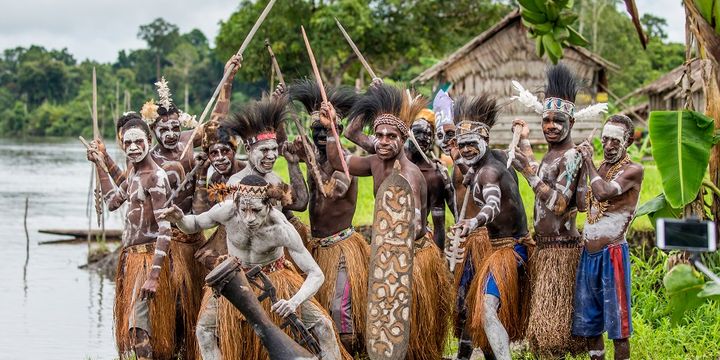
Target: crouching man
{"type": "Point", "coordinates": [257, 234]}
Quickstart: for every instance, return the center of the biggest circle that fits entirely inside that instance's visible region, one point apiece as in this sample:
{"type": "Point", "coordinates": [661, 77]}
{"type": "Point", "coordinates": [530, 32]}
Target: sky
{"type": "Point", "coordinates": [98, 29]}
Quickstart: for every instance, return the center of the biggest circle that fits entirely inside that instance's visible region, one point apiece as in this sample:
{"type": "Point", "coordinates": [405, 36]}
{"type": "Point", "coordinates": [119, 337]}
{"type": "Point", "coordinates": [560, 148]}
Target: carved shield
{"type": "Point", "coordinates": [391, 265]}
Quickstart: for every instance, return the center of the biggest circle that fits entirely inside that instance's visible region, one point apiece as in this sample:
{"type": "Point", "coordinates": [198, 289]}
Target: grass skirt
{"type": "Point", "coordinates": [132, 271]}
{"type": "Point", "coordinates": [237, 337]}
{"type": "Point", "coordinates": [502, 263]}
{"type": "Point", "coordinates": [552, 271]}
{"type": "Point", "coordinates": [356, 252]}
{"type": "Point", "coordinates": [188, 275]}
{"type": "Point", "coordinates": [477, 248]}
{"type": "Point", "coordinates": [432, 303]}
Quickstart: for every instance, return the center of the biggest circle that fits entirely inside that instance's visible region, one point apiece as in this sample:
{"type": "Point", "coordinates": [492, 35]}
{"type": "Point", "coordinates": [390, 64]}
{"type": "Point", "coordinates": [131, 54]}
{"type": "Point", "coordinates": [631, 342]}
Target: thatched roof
{"type": "Point", "coordinates": [670, 82]}
{"type": "Point", "coordinates": [511, 19]}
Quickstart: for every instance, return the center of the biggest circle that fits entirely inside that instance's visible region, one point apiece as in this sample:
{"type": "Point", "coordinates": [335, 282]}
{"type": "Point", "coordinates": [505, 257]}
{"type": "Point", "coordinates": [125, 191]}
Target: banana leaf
{"type": "Point", "coordinates": [658, 208]}
{"type": "Point", "coordinates": [683, 284]}
{"type": "Point", "coordinates": [681, 142]}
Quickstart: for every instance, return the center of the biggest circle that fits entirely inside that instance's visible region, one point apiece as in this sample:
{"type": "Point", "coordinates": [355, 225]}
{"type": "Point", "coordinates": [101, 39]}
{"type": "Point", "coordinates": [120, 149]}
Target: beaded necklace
{"type": "Point", "coordinates": [602, 206]}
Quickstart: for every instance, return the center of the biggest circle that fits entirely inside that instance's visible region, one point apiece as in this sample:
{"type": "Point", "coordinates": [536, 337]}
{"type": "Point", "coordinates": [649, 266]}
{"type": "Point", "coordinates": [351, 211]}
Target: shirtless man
{"type": "Point", "coordinates": [261, 126]}
{"type": "Point", "coordinates": [258, 234]}
{"type": "Point", "coordinates": [440, 190]}
{"type": "Point", "coordinates": [382, 106]}
{"type": "Point", "coordinates": [602, 289]}
{"type": "Point", "coordinates": [145, 294]}
{"type": "Point", "coordinates": [497, 283]}
{"type": "Point", "coordinates": [559, 193]}
{"type": "Point", "coordinates": [340, 251]}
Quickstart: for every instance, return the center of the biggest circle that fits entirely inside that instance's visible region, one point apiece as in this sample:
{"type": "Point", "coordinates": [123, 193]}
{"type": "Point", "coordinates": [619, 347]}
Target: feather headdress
{"type": "Point", "coordinates": [475, 115]}
{"type": "Point", "coordinates": [259, 120]}
{"type": "Point", "coordinates": [307, 92]}
{"type": "Point", "coordinates": [387, 105]}
{"type": "Point", "coordinates": [560, 92]}
{"type": "Point", "coordinates": [213, 134]}
{"type": "Point", "coordinates": [251, 187]}
{"type": "Point", "coordinates": [152, 110]}
{"type": "Point", "coordinates": [443, 105]}
{"type": "Point", "coordinates": [427, 115]}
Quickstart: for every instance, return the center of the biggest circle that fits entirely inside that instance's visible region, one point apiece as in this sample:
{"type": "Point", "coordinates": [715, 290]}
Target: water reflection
{"type": "Point", "coordinates": [50, 308]}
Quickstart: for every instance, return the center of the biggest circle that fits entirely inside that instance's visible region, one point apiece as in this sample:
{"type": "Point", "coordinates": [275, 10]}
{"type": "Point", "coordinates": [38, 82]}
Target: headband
{"type": "Point", "coordinates": [467, 127]}
{"type": "Point", "coordinates": [392, 120]}
{"type": "Point", "coordinates": [269, 135]}
{"type": "Point", "coordinates": [553, 104]}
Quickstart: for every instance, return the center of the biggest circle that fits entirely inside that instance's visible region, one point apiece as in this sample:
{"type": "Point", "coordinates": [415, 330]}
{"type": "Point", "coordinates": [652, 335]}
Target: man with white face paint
{"type": "Point", "coordinates": [602, 289]}
{"type": "Point", "coordinates": [258, 235]}
{"type": "Point", "coordinates": [261, 126]}
{"type": "Point", "coordinates": [145, 300]}
{"type": "Point", "coordinates": [559, 187]}
{"type": "Point", "coordinates": [493, 301]}
{"type": "Point", "coordinates": [390, 111]}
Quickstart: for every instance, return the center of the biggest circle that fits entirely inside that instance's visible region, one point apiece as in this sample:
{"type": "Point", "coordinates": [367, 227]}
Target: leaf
{"type": "Point", "coordinates": [658, 208]}
{"type": "Point", "coordinates": [710, 290]}
{"type": "Point", "coordinates": [552, 47]}
{"type": "Point", "coordinates": [705, 7]}
{"type": "Point", "coordinates": [681, 142]}
{"type": "Point", "coordinates": [576, 38]}
{"type": "Point", "coordinates": [682, 284]}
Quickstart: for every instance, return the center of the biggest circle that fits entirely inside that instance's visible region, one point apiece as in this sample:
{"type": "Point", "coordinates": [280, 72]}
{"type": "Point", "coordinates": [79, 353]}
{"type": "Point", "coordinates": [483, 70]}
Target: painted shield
{"type": "Point", "coordinates": [391, 265]}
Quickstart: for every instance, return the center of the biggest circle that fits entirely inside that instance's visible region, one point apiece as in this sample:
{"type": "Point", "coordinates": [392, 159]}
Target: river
{"type": "Point", "coordinates": [56, 311]}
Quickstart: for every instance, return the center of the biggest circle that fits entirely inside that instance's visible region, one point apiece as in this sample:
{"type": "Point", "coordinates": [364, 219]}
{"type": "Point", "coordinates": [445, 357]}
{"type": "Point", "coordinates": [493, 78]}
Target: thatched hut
{"type": "Point", "coordinates": [667, 93]}
{"type": "Point", "coordinates": [503, 53]}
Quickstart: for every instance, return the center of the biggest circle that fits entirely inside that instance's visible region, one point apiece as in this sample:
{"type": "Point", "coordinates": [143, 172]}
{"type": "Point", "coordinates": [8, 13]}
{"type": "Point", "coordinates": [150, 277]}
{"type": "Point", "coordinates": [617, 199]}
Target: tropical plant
{"type": "Point", "coordinates": [549, 23]}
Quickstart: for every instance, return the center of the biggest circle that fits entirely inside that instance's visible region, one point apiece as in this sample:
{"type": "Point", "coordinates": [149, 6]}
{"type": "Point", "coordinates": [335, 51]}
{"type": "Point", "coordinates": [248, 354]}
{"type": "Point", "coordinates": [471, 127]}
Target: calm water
{"type": "Point", "coordinates": [59, 311]}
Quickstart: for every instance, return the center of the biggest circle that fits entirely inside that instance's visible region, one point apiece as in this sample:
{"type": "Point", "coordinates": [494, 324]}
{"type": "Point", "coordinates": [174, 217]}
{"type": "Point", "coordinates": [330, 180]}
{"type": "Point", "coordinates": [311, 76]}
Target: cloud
{"type": "Point", "coordinates": [98, 29]}
{"type": "Point", "coordinates": [670, 10]}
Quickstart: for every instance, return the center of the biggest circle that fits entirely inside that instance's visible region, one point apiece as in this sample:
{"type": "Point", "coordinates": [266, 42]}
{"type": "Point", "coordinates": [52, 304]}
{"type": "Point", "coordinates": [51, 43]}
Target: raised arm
{"type": "Point", "coordinates": [298, 187]}
{"type": "Point", "coordinates": [201, 202]}
{"type": "Point", "coordinates": [606, 190]}
{"type": "Point", "coordinates": [190, 224]}
{"type": "Point", "coordinates": [524, 145]}
{"type": "Point", "coordinates": [354, 132]}
{"type": "Point", "coordinates": [556, 196]}
{"type": "Point", "coordinates": [301, 256]}
{"type": "Point", "coordinates": [489, 197]}
{"type": "Point", "coordinates": [114, 196]}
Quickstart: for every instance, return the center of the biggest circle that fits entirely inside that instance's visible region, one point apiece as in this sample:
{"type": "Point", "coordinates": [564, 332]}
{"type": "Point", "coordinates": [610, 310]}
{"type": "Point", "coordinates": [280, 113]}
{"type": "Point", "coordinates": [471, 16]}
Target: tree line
{"type": "Point", "coordinates": [47, 92]}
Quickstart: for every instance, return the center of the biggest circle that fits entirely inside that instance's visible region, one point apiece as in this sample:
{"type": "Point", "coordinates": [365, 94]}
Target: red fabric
{"type": "Point", "coordinates": [620, 291]}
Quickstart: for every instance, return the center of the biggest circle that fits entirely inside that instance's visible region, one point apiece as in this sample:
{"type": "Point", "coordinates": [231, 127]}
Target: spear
{"type": "Point", "coordinates": [228, 71]}
{"type": "Point", "coordinates": [96, 136]}
{"type": "Point", "coordinates": [324, 97]}
{"type": "Point", "coordinates": [370, 71]}
{"type": "Point", "coordinates": [309, 152]}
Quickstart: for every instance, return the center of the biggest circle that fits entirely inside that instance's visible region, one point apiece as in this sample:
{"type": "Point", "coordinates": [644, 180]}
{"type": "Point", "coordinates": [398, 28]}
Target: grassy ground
{"type": "Point", "coordinates": [697, 337]}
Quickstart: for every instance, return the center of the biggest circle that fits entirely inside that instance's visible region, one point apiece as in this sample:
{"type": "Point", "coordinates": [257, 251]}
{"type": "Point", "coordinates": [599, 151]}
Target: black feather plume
{"type": "Point", "coordinates": [561, 83]}
{"type": "Point", "coordinates": [481, 108]}
{"type": "Point", "coordinates": [382, 99]}
{"type": "Point", "coordinates": [267, 114]}
{"type": "Point", "coordinates": [307, 92]}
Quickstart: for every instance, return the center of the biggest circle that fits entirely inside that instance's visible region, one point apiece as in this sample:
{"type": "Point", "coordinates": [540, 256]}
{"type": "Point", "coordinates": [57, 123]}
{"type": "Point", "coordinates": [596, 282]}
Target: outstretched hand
{"type": "Point", "coordinates": [172, 214]}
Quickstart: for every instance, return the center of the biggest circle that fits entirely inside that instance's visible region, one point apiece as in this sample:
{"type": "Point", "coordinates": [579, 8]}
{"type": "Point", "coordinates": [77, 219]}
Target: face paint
{"type": "Point", "coordinates": [556, 127]}
{"type": "Point", "coordinates": [221, 156]}
{"type": "Point", "coordinates": [167, 131]}
{"type": "Point", "coordinates": [614, 138]}
{"type": "Point", "coordinates": [423, 134]}
{"type": "Point", "coordinates": [136, 145]}
{"type": "Point", "coordinates": [444, 136]}
{"type": "Point", "coordinates": [253, 211]}
{"type": "Point", "coordinates": [389, 142]}
{"type": "Point", "coordinates": [262, 155]}
{"type": "Point", "coordinates": [472, 148]}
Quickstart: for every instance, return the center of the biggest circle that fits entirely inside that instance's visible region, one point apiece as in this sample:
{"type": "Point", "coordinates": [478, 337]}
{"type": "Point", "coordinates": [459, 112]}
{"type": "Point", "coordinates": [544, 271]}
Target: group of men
{"type": "Point", "coordinates": [188, 213]}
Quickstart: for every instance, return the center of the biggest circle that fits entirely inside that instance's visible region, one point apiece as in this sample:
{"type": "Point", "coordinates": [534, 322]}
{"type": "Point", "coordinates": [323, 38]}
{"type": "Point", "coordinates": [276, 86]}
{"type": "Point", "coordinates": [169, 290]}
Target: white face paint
{"type": "Point", "coordinates": [253, 211]}
{"type": "Point", "coordinates": [614, 138]}
{"type": "Point", "coordinates": [443, 136]}
{"type": "Point", "coordinates": [168, 132]}
{"type": "Point", "coordinates": [221, 156]}
{"type": "Point", "coordinates": [262, 155]}
{"type": "Point", "coordinates": [136, 144]}
{"type": "Point", "coordinates": [472, 148]}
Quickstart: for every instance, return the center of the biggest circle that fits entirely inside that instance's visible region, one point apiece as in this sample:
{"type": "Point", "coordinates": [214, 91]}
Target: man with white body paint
{"type": "Point", "coordinates": [602, 290]}
{"type": "Point", "coordinates": [257, 235]}
{"type": "Point", "coordinates": [559, 195]}
{"type": "Point", "coordinates": [493, 306]}
{"type": "Point", "coordinates": [145, 296]}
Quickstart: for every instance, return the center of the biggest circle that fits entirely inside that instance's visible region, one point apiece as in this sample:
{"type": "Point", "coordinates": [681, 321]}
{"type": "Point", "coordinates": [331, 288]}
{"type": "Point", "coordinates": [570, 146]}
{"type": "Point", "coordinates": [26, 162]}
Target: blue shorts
{"type": "Point", "coordinates": [491, 287]}
{"type": "Point", "coordinates": [602, 293]}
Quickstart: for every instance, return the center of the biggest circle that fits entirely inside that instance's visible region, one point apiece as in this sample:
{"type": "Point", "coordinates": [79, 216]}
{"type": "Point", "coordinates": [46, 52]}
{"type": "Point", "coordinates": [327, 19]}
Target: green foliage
{"type": "Point", "coordinates": [550, 24]}
{"type": "Point", "coordinates": [681, 148]}
{"type": "Point", "coordinates": [682, 284]}
{"type": "Point", "coordinates": [391, 34]}
{"type": "Point", "coordinates": [658, 208]}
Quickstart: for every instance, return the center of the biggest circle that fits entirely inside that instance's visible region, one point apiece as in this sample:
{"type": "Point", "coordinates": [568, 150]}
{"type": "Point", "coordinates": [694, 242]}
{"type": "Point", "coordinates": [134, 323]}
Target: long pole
{"type": "Point", "coordinates": [333, 126]}
{"type": "Point", "coordinates": [455, 253]}
{"type": "Point", "coordinates": [228, 71]}
{"type": "Point", "coordinates": [309, 152]}
{"type": "Point", "coordinates": [96, 136]}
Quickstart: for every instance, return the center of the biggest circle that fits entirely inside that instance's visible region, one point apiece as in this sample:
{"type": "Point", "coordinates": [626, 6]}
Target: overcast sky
{"type": "Point", "coordinates": [98, 29]}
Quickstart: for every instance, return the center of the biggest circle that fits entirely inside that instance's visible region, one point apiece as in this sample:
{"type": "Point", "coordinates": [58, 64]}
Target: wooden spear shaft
{"type": "Point", "coordinates": [227, 73]}
{"type": "Point", "coordinates": [309, 152]}
{"type": "Point", "coordinates": [96, 136]}
{"type": "Point", "coordinates": [324, 97]}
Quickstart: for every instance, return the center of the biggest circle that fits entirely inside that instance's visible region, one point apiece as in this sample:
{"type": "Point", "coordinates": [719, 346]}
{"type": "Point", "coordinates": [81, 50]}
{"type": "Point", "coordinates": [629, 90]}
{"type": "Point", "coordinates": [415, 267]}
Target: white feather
{"type": "Point", "coordinates": [526, 98]}
{"type": "Point", "coordinates": [591, 112]}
